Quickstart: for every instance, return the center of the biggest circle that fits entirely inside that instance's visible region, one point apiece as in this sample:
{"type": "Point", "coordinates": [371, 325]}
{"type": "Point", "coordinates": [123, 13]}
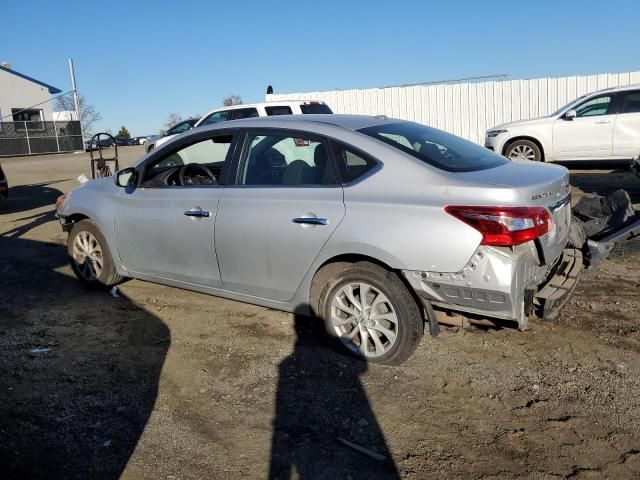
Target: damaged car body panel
{"type": "Point", "coordinates": [503, 283]}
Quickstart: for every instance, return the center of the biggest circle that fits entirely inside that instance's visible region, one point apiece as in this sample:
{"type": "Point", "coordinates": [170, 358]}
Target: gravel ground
{"type": "Point", "coordinates": [168, 384]}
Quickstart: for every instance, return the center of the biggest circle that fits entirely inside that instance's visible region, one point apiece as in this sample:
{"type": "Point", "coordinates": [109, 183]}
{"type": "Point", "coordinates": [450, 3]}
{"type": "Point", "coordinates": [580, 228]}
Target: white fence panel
{"type": "Point", "coordinates": [467, 109]}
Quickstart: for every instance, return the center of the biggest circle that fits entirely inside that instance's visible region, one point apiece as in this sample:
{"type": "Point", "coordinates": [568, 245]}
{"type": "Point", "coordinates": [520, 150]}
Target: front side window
{"type": "Point", "coordinates": [215, 117]}
{"type": "Point", "coordinates": [593, 107]}
{"type": "Point", "coordinates": [200, 163]}
{"type": "Point", "coordinates": [244, 113]}
{"type": "Point", "coordinates": [285, 160]}
{"type": "Point", "coordinates": [435, 147]}
{"type": "Point", "coordinates": [632, 102]}
{"type": "Point", "coordinates": [279, 110]}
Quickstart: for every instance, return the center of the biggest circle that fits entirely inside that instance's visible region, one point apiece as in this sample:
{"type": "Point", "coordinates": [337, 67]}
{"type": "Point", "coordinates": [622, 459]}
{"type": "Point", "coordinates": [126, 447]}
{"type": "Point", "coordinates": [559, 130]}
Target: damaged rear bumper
{"type": "Point", "coordinates": [503, 283]}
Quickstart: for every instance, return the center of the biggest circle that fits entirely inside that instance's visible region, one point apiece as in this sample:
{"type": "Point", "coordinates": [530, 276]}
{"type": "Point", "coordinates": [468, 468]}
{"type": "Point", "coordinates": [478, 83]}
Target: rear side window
{"type": "Point", "coordinates": [632, 102]}
{"type": "Point", "coordinates": [353, 164]}
{"type": "Point", "coordinates": [311, 108]}
{"type": "Point", "coordinates": [280, 110]}
{"type": "Point", "coordinates": [244, 113]}
{"type": "Point", "coordinates": [285, 160]}
{"type": "Point", "coordinates": [215, 117]}
{"type": "Point", "coordinates": [435, 147]}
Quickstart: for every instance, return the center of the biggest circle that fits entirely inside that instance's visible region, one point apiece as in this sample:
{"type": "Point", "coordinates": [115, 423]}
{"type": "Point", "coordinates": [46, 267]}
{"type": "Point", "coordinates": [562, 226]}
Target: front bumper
{"type": "Point", "coordinates": [503, 283]}
{"type": "Point", "coordinates": [496, 143]}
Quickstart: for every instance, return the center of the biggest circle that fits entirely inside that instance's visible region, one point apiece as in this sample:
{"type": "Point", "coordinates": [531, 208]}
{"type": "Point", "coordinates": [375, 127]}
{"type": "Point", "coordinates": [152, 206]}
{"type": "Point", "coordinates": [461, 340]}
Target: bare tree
{"type": "Point", "coordinates": [232, 100]}
{"type": "Point", "coordinates": [88, 113]}
{"type": "Point", "coordinates": [172, 119]}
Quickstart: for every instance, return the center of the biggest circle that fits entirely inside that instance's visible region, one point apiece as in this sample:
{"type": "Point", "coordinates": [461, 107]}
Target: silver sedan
{"type": "Point", "coordinates": [376, 225]}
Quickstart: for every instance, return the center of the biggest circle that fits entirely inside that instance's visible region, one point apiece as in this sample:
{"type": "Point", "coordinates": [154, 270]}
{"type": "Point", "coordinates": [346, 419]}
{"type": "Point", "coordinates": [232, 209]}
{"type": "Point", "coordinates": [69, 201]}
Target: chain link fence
{"type": "Point", "coordinates": [30, 138]}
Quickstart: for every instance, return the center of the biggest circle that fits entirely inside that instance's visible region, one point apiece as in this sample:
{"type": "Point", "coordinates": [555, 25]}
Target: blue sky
{"type": "Point", "coordinates": [139, 61]}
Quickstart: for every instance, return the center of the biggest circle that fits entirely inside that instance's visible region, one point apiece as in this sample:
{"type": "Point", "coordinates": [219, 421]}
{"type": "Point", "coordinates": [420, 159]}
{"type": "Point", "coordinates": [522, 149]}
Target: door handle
{"type": "Point", "coordinates": [310, 220]}
{"type": "Point", "coordinates": [603, 121]}
{"type": "Point", "coordinates": [197, 213]}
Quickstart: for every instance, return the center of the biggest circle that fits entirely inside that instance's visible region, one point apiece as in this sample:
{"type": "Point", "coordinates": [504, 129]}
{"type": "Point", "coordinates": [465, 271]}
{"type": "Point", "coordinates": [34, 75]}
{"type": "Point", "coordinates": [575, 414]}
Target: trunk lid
{"type": "Point", "coordinates": [538, 184]}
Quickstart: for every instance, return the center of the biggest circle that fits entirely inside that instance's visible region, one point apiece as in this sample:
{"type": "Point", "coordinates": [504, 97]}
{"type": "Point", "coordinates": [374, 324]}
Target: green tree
{"type": "Point", "coordinates": [124, 133]}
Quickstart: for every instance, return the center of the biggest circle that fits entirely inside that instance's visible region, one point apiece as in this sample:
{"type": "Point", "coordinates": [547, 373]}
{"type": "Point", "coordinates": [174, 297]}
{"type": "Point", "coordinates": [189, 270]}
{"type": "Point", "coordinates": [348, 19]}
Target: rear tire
{"type": "Point", "coordinates": [89, 255]}
{"type": "Point", "coordinates": [386, 328]}
{"type": "Point", "coordinates": [524, 150]}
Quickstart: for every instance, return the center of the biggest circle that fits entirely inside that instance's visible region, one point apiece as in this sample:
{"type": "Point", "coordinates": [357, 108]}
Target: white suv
{"type": "Point", "coordinates": [604, 125]}
{"type": "Point", "coordinates": [266, 109]}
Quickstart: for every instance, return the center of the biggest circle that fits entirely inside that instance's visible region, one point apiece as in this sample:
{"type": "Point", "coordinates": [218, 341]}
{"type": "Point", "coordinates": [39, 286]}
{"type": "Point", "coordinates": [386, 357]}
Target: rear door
{"type": "Point", "coordinates": [284, 206]}
{"type": "Point", "coordinates": [626, 134]}
{"type": "Point", "coordinates": [590, 134]}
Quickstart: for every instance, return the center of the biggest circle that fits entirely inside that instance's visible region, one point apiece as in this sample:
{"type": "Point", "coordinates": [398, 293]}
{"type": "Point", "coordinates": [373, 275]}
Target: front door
{"type": "Point", "coordinates": [590, 134]}
{"type": "Point", "coordinates": [272, 225]}
{"type": "Point", "coordinates": [165, 227]}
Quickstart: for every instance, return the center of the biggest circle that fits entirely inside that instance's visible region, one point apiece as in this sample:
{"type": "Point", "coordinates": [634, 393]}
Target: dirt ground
{"type": "Point", "coordinates": [168, 384]}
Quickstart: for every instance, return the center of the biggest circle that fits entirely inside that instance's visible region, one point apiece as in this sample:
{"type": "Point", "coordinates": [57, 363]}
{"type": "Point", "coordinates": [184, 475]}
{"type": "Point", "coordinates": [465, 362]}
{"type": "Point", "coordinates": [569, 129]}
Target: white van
{"type": "Point", "coordinates": [266, 109]}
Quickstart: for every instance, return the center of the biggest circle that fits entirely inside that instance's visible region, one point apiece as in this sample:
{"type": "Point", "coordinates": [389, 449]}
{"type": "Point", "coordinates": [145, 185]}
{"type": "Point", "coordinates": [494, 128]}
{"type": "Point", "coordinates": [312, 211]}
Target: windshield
{"type": "Point", "coordinates": [435, 147]}
{"type": "Point", "coordinates": [561, 109]}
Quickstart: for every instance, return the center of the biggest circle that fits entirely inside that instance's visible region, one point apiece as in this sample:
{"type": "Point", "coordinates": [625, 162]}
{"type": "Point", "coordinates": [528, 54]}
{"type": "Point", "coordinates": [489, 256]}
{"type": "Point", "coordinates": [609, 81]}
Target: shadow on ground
{"type": "Point", "coordinates": [320, 404]}
{"type": "Point", "coordinates": [24, 198]}
{"type": "Point", "coordinates": [79, 369]}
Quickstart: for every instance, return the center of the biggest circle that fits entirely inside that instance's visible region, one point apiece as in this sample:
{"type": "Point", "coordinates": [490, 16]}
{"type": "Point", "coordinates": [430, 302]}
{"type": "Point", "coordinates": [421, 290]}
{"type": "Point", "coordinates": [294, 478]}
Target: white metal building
{"type": "Point", "coordinates": [466, 109]}
{"type": "Point", "coordinates": [20, 92]}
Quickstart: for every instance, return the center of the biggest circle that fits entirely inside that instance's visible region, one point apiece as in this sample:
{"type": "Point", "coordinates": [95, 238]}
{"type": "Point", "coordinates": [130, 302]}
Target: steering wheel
{"type": "Point", "coordinates": [208, 179]}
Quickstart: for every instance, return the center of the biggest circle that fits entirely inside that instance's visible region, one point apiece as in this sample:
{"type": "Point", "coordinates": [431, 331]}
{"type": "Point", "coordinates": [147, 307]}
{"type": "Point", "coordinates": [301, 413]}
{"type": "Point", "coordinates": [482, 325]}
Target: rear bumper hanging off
{"type": "Point", "coordinates": [503, 284]}
{"type": "Point", "coordinates": [550, 298]}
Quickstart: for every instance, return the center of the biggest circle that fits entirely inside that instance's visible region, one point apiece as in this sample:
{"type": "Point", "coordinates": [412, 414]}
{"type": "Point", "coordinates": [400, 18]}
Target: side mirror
{"type": "Point", "coordinates": [126, 177]}
{"type": "Point", "coordinates": [570, 115]}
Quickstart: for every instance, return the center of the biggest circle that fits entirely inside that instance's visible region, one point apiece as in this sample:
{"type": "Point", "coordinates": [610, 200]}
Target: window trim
{"type": "Point", "coordinates": [196, 137]}
{"type": "Point", "coordinates": [241, 150]}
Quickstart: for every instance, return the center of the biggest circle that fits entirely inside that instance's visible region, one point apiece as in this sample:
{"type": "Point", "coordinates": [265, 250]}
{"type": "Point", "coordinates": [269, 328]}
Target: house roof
{"type": "Point", "coordinates": [52, 90]}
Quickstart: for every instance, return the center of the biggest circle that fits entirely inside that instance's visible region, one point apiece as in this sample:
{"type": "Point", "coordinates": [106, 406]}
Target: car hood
{"type": "Point", "coordinates": [518, 123]}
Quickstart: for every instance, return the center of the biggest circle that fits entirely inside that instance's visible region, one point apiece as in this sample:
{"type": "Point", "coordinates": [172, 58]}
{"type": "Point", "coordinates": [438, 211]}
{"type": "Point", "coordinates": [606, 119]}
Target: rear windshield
{"type": "Point", "coordinates": [435, 147]}
{"type": "Point", "coordinates": [315, 108]}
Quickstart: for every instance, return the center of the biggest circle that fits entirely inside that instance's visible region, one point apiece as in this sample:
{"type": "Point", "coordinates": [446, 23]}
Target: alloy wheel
{"type": "Point", "coordinates": [364, 319]}
{"type": "Point", "coordinates": [522, 152]}
{"type": "Point", "coordinates": [87, 254]}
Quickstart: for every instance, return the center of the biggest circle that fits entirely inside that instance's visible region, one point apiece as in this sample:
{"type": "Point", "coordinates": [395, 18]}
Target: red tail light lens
{"type": "Point", "coordinates": [504, 226]}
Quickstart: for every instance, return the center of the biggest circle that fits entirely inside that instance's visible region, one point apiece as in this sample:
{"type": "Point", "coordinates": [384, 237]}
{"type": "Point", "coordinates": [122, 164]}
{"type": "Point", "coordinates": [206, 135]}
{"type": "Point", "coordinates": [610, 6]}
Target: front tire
{"type": "Point", "coordinates": [372, 313]}
{"type": "Point", "coordinates": [89, 255]}
{"type": "Point", "coordinates": [523, 150]}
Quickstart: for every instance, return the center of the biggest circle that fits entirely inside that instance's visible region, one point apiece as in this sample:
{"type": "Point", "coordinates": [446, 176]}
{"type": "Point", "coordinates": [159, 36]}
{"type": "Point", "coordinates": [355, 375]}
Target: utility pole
{"type": "Point", "coordinates": [76, 102]}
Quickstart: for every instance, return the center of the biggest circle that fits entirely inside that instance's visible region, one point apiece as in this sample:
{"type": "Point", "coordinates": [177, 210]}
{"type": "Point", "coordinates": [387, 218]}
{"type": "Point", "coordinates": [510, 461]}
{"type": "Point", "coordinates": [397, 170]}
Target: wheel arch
{"type": "Point", "coordinates": [336, 263]}
{"type": "Point", "coordinates": [329, 268]}
{"type": "Point", "coordinates": [77, 217]}
{"type": "Point", "coordinates": [524, 137]}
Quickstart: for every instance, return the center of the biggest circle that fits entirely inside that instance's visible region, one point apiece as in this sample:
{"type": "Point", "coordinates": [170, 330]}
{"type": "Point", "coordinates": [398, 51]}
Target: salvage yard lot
{"type": "Point", "coordinates": [165, 383]}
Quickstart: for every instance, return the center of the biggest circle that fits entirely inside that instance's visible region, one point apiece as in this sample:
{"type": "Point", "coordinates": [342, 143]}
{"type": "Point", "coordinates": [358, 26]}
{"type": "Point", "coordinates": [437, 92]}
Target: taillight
{"type": "Point", "coordinates": [504, 226]}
